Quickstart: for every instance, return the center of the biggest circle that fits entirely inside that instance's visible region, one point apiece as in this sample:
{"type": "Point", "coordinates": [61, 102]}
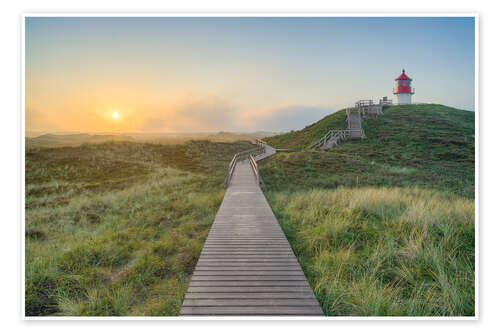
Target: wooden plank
{"type": "Point", "coordinates": [253, 228]}
{"type": "Point", "coordinates": [239, 253]}
{"type": "Point", "coordinates": [241, 248]}
{"type": "Point", "coordinates": [243, 251]}
{"type": "Point", "coordinates": [240, 238]}
{"type": "Point", "coordinates": [268, 230]}
{"type": "Point", "coordinates": [248, 289]}
{"type": "Point", "coordinates": [234, 254]}
{"type": "Point", "coordinates": [251, 302]}
{"type": "Point", "coordinates": [261, 246]}
{"type": "Point", "coordinates": [249, 221]}
{"type": "Point", "coordinates": [252, 295]}
{"type": "Point", "coordinates": [247, 255]}
{"type": "Point", "coordinates": [248, 278]}
{"type": "Point", "coordinates": [289, 259]}
{"type": "Point", "coordinates": [247, 272]}
{"type": "Point", "coordinates": [266, 243]}
{"type": "Point", "coordinates": [249, 268]}
{"type": "Point", "coordinates": [247, 248]}
{"type": "Point", "coordinates": [253, 311]}
{"type": "Point", "coordinates": [234, 251]}
{"type": "Point", "coordinates": [243, 226]}
{"type": "Point", "coordinates": [257, 242]}
{"type": "Point", "coordinates": [246, 283]}
{"type": "Point", "coordinates": [255, 239]}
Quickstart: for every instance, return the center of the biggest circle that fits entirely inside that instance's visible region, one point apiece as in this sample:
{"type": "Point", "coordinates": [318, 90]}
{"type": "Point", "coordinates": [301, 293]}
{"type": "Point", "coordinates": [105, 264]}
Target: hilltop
{"type": "Point", "coordinates": [427, 145]}
{"type": "Point", "coordinates": [385, 225]}
{"type": "Point", "coordinates": [433, 120]}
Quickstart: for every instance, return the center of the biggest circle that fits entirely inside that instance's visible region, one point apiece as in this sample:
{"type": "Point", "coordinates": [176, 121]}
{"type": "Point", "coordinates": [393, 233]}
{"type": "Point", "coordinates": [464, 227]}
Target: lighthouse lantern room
{"type": "Point", "coordinates": [403, 89]}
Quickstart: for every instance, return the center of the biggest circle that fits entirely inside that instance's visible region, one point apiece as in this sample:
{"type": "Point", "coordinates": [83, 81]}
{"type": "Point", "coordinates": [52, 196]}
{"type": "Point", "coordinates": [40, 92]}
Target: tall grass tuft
{"type": "Point", "coordinates": [383, 251]}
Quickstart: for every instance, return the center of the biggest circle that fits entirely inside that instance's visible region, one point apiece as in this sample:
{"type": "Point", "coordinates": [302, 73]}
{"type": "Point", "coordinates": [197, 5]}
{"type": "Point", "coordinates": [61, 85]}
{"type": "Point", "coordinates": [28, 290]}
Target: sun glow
{"type": "Point", "coordinates": [116, 115]}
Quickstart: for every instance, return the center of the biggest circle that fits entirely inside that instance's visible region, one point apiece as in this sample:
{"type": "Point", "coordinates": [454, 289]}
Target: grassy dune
{"type": "Point", "coordinates": [385, 225]}
{"type": "Point", "coordinates": [383, 251]}
{"type": "Point", "coordinates": [414, 145]}
{"type": "Point", "coordinates": [116, 228]}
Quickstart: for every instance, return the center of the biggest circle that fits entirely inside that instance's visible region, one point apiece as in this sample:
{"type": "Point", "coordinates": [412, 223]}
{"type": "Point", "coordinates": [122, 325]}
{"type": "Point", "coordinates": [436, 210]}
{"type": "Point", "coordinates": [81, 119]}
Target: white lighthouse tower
{"type": "Point", "coordinates": [403, 89]}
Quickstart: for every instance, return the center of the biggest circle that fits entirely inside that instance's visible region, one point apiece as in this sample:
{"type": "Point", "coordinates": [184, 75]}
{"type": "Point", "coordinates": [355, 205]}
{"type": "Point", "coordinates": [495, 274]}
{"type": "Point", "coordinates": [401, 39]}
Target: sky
{"type": "Point", "coordinates": [204, 74]}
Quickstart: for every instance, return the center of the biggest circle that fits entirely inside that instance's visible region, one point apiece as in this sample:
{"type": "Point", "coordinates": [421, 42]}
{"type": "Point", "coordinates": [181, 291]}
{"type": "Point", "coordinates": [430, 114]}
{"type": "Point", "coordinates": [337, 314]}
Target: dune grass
{"type": "Point", "coordinates": [412, 145]}
{"type": "Point", "coordinates": [385, 225]}
{"type": "Point", "coordinates": [115, 229]}
{"type": "Point", "coordinates": [383, 251]}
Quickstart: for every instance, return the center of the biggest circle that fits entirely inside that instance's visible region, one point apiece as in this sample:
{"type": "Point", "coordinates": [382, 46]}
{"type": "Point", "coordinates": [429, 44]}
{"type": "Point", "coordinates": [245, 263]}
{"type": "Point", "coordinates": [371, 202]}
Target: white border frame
{"type": "Point", "coordinates": [245, 14]}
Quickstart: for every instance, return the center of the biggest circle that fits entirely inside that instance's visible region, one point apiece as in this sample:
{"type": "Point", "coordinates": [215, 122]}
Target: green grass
{"type": "Point", "coordinates": [415, 145]}
{"type": "Point", "coordinates": [383, 251]}
{"type": "Point", "coordinates": [116, 229]}
{"type": "Point", "coordinates": [384, 225]}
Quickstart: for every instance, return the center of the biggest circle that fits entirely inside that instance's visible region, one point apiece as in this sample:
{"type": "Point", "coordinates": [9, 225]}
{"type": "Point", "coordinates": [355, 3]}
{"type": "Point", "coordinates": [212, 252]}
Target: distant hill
{"type": "Point", "coordinates": [427, 145]}
{"type": "Point", "coordinates": [71, 140]}
{"type": "Point", "coordinates": [231, 137]}
{"type": "Point", "coordinates": [57, 140]}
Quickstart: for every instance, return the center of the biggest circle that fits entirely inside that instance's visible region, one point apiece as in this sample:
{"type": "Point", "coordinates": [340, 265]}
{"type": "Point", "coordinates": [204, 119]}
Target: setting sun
{"type": "Point", "coordinates": [116, 115]}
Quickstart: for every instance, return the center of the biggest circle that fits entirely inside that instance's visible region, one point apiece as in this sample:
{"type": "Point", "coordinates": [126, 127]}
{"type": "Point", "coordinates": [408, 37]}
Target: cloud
{"type": "Point", "coordinates": [284, 118]}
{"type": "Point", "coordinates": [201, 113]}
{"type": "Point", "coordinates": [211, 112]}
{"type": "Point", "coordinates": [214, 113]}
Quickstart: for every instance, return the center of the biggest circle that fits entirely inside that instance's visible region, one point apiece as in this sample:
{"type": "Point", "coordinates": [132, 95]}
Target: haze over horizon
{"type": "Point", "coordinates": [151, 74]}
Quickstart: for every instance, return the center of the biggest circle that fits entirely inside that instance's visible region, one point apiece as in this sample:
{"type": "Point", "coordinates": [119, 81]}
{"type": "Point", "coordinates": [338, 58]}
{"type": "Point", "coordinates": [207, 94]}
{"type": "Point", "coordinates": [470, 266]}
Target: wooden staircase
{"type": "Point", "coordinates": [334, 137]}
{"type": "Point", "coordinates": [331, 139]}
{"type": "Point", "coordinates": [354, 124]}
{"type": "Point", "coordinates": [354, 131]}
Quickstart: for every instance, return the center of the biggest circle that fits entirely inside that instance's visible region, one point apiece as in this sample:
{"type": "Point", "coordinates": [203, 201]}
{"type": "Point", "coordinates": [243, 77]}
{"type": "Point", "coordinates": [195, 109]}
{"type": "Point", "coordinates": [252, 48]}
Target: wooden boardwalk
{"type": "Point", "coordinates": [247, 266]}
{"type": "Point", "coordinates": [268, 152]}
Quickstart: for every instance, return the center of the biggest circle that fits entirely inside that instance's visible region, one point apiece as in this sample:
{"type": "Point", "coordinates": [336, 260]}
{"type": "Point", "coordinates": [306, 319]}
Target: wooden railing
{"type": "Point", "coordinates": [242, 156]}
{"type": "Point", "coordinates": [230, 170]}
{"type": "Point", "coordinates": [364, 102]}
{"type": "Point", "coordinates": [255, 169]}
{"type": "Point", "coordinates": [340, 135]}
{"type": "Point", "coordinates": [260, 142]}
{"type": "Point", "coordinates": [386, 102]}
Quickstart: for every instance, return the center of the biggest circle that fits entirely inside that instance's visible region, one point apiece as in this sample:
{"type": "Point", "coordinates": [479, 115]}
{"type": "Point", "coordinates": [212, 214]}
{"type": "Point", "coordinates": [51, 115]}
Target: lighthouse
{"type": "Point", "coordinates": [403, 88]}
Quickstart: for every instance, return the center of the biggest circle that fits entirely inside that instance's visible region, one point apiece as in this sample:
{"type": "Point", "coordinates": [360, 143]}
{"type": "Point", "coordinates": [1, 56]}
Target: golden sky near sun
{"type": "Point", "coordinates": [238, 74]}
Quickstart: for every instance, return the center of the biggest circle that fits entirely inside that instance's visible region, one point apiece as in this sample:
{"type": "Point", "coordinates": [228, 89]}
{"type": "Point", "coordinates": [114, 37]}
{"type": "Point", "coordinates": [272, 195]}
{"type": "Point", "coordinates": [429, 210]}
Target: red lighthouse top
{"type": "Point", "coordinates": [403, 76]}
{"type": "Point", "coordinates": [403, 84]}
